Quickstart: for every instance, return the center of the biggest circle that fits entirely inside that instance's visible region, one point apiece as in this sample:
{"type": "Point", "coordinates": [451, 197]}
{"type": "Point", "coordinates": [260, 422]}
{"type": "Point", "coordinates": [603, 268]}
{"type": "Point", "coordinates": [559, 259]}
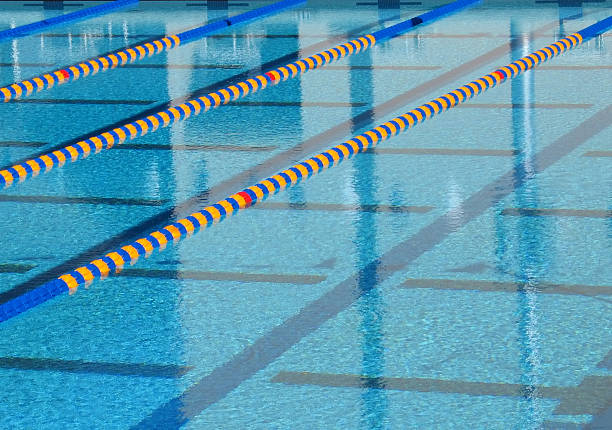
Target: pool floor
{"type": "Point", "coordinates": [458, 275]}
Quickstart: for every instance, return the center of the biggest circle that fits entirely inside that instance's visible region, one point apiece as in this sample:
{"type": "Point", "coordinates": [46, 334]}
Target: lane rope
{"type": "Point", "coordinates": [79, 15]}
{"type": "Point", "coordinates": [114, 261]}
{"type": "Point", "coordinates": [31, 168]}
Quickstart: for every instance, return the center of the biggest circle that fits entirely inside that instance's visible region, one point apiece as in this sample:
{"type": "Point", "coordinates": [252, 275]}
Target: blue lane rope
{"type": "Point", "coordinates": [199, 32]}
{"type": "Point", "coordinates": [427, 17]}
{"type": "Point", "coordinates": [596, 29]}
{"type": "Point", "coordinates": [37, 27]}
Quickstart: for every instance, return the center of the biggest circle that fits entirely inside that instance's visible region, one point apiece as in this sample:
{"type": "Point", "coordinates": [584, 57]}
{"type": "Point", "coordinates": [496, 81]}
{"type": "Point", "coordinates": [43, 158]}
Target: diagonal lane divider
{"type": "Point", "coordinates": [113, 262]}
{"type": "Point", "coordinates": [129, 55]}
{"type": "Point", "coordinates": [31, 168]}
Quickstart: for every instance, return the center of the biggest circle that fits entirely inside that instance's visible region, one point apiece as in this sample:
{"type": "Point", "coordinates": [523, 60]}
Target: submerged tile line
{"type": "Point", "coordinates": [198, 275]}
{"type": "Point", "coordinates": [445, 151]}
{"type": "Point", "coordinates": [597, 154]}
{"type": "Point", "coordinates": [112, 201]}
{"type": "Point", "coordinates": [227, 148]}
{"type": "Point", "coordinates": [382, 67]}
{"type": "Point", "coordinates": [298, 104]}
{"type": "Point", "coordinates": [84, 102]}
{"type": "Point", "coordinates": [590, 397]}
{"type": "Point", "coordinates": [528, 106]}
{"type": "Point", "coordinates": [27, 64]}
{"type": "Point", "coordinates": [505, 287]}
{"type": "Point", "coordinates": [337, 207]}
{"type": "Point", "coordinates": [17, 144]}
{"type": "Point", "coordinates": [583, 213]}
{"type": "Point", "coordinates": [578, 67]}
{"type": "Point", "coordinates": [16, 267]}
{"type": "Point", "coordinates": [184, 66]}
{"type": "Point", "coordinates": [99, 368]}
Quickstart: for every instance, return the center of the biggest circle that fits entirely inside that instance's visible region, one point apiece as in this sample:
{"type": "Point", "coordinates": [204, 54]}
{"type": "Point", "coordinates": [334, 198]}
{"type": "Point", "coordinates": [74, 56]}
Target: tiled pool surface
{"type": "Point", "coordinates": [457, 276]}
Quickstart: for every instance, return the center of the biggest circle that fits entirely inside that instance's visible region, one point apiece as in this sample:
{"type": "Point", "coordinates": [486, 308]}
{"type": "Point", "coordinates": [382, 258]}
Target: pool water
{"type": "Point", "coordinates": [458, 276]}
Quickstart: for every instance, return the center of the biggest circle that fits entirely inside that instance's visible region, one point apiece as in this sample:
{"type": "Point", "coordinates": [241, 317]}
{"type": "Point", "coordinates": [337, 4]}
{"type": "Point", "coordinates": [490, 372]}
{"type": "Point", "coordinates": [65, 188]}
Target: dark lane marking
{"type": "Point", "coordinates": [183, 66]}
{"type": "Point", "coordinates": [450, 36]}
{"type": "Point", "coordinates": [587, 213]}
{"type": "Point", "coordinates": [62, 200]}
{"type": "Point", "coordinates": [269, 347]}
{"type": "Point", "coordinates": [27, 64]}
{"type": "Point", "coordinates": [79, 366]}
{"type": "Point", "coordinates": [229, 148]}
{"type": "Point", "coordinates": [506, 287]}
{"type": "Point", "coordinates": [606, 363]}
{"type": "Point", "coordinates": [577, 67]}
{"type": "Point", "coordinates": [224, 276]}
{"type": "Point", "coordinates": [84, 102]}
{"type": "Point", "coordinates": [403, 3]}
{"type": "Point", "coordinates": [597, 154]}
{"type": "Point", "coordinates": [206, 4]}
{"type": "Point", "coordinates": [136, 230]}
{"type": "Point", "coordinates": [15, 144]}
{"type": "Point", "coordinates": [15, 268]}
{"type": "Point", "coordinates": [599, 422]}
{"type": "Point", "coordinates": [444, 151]}
{"type": "Point", "coordinates": [310, 206]}
{"type": "Point", "coordinates": [375, 67]}
{"type": "Point", "coordinates": [525, 106]}
{"type": "Point", "coordinates": [299, 104]}
{"type": "Point", "coordinates": [590, 397]}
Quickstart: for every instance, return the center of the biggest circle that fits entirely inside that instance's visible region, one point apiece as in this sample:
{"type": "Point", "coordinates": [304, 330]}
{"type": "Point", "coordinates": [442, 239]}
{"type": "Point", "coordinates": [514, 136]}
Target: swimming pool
{"type": "Point", "coordinates": [457, 276]}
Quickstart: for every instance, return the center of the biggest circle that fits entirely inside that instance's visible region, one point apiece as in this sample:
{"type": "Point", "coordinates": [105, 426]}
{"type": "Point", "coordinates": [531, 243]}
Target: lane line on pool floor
{"type": "Point", "coordinates": [114, 261]}
{"type": "Point", "coordinates": [597, 154]}
{"type": "Point", "coordinates": [81, 200]}
{"type": "Point", "coordinates": [129, 55]}
{"type": "Point", "coordinates": [505, 286]}
{"type": "Point", "coordinates": [200, 275]}
{"type": "Point", "coordinates": [590, 397]}
{"type": "Point", "coordinates": [269, 166]}
{"type": "Point", "coordinates": [143, 370]}
{"type": "Point", "coordinates": [44, 163]}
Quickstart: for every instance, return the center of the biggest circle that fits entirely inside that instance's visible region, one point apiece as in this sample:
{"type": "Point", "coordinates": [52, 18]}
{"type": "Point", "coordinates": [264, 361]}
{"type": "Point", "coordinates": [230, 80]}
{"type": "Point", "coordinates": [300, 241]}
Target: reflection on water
{"type": "Point", "coordinates": [371, 304]}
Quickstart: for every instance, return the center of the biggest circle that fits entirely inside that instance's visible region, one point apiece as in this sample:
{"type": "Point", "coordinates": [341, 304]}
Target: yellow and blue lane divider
{"type": "Point", "coordinates": [79, 15]}
{"type": "Point", "coordinates": [30, 168]}
{"type": "Point", "coordinates": [114, 261]}
{"type": "Point", "coordinates": [122, 57]}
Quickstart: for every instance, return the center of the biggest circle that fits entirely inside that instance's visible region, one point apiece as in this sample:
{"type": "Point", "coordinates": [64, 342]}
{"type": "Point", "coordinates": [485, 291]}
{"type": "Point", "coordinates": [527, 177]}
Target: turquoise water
{"type": "Point", "coordinates": [457, 277]}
